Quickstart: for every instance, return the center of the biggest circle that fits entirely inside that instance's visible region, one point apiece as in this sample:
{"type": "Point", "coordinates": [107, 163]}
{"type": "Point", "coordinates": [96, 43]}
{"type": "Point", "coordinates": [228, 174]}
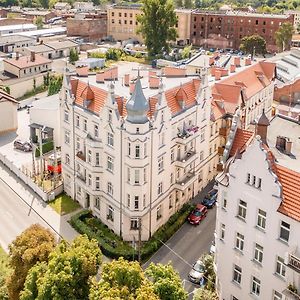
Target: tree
{"type": "Point", "coordinates": [39, 22]}
{"type": "Point", "coordinates": [203, 294]}
{"type": "Point", "coordinates": [253, 43]}
{"type": "Point", "coordinates": [188, 4]}
{"type": "Point", "coordinates": [55, 84]}
{"type": "Point", "coordinates": [32, 246]}
{"type": "Point", "coordinates": [186, 51]}
{"type": "Point", "coordinates": [157, 25]}
{"type": "Point", "coordinates": [121, 279]}
{"type": "Point", "coordinates": [283, 36]}
{"type": "Point", "coordinates": [74, 56]}
{"type": "Point", "coordinates": [208, 262]}
{"type": "Point", "coordinates": [67, 273]}
{"type": "Point", "coordinates": [166, 281]}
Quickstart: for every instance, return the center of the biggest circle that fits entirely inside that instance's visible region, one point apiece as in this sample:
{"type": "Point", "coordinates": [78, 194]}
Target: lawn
{"type": "Point", "coordinates": [63, 204]}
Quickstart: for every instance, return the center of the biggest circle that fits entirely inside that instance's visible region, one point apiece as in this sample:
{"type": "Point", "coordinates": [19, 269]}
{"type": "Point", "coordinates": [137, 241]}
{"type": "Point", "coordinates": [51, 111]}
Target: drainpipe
{"type": "Point", "coordinates": [151, 166]}
{"type": "Point", "coordinates": [121, 180]}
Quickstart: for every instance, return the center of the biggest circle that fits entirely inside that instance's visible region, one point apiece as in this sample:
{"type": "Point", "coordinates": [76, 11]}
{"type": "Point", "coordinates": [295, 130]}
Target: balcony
{"type": "Point", "coordinates": [186, 135]}
{"type": "Point", "coordinates": [93, 142]}
{"type": "Point", "coordinates": [291, 292]}
{"type": "Point", "coordinates": [223, 131]}
{"type": "Point", "coordinates": [186, 159]}
{"type": "Point", "coordinates": [81, 177]}
{"type": "Point", "coordinates": [183, 183]}
{"type": "Point", "coordinates": [81, 155]}
{"type": "Point", "coordinates": [220, 150]}
{"type": "Point", "coordinates": [219, 167]}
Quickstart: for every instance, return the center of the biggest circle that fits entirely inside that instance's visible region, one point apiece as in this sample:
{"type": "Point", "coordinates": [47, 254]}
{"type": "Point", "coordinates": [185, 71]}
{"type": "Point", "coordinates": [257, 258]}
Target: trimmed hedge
{"type": "Point", "coordinates": [47, 147]}
{"type": "Point", "coordinates": [114, 247]}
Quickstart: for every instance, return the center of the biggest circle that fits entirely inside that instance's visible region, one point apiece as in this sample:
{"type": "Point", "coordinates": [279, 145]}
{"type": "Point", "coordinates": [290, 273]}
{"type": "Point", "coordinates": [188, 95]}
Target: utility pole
{"type": "Point", "coordinates": [140, 237]}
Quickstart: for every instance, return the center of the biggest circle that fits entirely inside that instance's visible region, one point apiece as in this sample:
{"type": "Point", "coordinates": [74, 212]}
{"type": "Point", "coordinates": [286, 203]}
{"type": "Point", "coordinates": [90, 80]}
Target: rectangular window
{"type": "Point", "coordinates": [172, 156]}
{"type": "Point", "coordinates": [170, 202]}
{"type": "Point", "coordinates": [97, 183]}
{"type": "Point", "coordinates": [137, 151]}
{"type": "Point", "coordinates": [96, 131]}
{"type": "Point", "coordinates": [277, 295]}
{"type": "Point", "coordinates": [280, 266]}
{"type": "Point", "coordinates": [258, 253]}
{"type": "Point", "coordinates": [97, 203]}
{"type": "Point", "coordinates": [253, 180]}
{"type": "Point", "coordinates": [89, 156]}
{"type": "Point", "coordinates": [90, 179]}
{"type": "Point", "coordinates": [160, 164]}
{"type": "Point", "coordinates": [239, 242]}
{"type": "Point", "coordinates": [237, 274]}
{"type": "Point", "coordinates": [159, 189]}
{"type": "Point", "coordinates": [110, 163]}
{"type": "Point", "coordinates": [136, 176]}
{"type": "Point", "coordinates": [222, 232]}
{"type": "Point", "coordinates": [224, 200]}
{"type": "Point", "coordinates": [158, 212]}
{"type": "Point", "coordinates": [110, 139]}
{"type": "Point", "coordinates": [97, 160]}
{"type": "Point", "coordinates": [134, 224]}
{"type": "Point", "coordinates": [255, 286]}
{"type": "Point", "coordinates": [259, 183]}
{"type": "Point", "coordinates": [248, 178]}
{"type": "Point", "coordinates": [110, 189]}
{"type": "Point", "coordinates": [128, 174]}
{"type": "Point", "coordinates": [201, 156]}
{"type": "Point", "coordinates": [110, 116]}
{"type": "Point", "coordinates": [202, 134]}
{"type": "Point", "coordinates": [66, 116]}
{"type": "Point", "coordinates": [144, 200]}
{"type": "Point", "coordinates": [129, 149]}
{"type": "Point", "coordinates": [128, 200]}
{"type": "Point", "coordinates": [145, 175]}
{"type": "Point", "coordinates": [77, 143]}
{"type": "Point", "coordinates": [85, 125]}
{"type": "Point", "coordinates": [77, 121]}
{"type": "Point", "coordinates": [261, 219]}
{"type": "Point", "coordinates": [145, 150]}
{"type": "Point", "coordinates": [242, 210]}
{"type": "Point", "coordinates": [110, 213]}
{"type": "Point", "coordinates": [67, 159]}
{"type": "Point", "coordinates": [284, 231]}
{"type": "Point", "coordinates": [136, 202]}
{"type": "Point", "coordinates": [67, 137]}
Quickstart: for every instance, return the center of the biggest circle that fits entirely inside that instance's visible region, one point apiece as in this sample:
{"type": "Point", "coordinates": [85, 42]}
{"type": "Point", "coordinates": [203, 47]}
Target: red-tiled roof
{"type": "Point", "coordinates": [25, 62]}
{"type": "Point", "coordinates": [241, 140]}
{"type": "Point", "coordinates": [290, 181]}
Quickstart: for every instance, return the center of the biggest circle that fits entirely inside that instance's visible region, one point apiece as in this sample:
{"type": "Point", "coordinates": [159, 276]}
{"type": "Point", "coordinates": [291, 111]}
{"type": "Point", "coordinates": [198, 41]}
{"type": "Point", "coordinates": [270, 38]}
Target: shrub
{"type": "Point", "coordinates": [46, 147]}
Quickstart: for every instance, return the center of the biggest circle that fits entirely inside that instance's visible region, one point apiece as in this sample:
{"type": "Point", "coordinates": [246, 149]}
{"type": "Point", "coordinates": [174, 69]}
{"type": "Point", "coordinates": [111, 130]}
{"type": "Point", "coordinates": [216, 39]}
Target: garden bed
{"type": "Point", "coordinates": [114, 247]}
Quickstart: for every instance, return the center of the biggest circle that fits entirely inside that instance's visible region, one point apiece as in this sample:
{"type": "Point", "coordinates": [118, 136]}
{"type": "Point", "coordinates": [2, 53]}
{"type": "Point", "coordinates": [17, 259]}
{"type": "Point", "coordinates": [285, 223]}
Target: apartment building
{"type": "Point", "coordinates": [258, 213]}
{"type": "Point", "coordinates": [135, 144]}
{"type": "Point", "coordinates": [226, 29]}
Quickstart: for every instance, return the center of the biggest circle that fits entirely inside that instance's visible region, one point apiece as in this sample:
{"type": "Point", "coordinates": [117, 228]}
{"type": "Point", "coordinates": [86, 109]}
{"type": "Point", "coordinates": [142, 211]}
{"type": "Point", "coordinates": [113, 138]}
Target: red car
{"type": "Point", "coordinates": [198, 214]}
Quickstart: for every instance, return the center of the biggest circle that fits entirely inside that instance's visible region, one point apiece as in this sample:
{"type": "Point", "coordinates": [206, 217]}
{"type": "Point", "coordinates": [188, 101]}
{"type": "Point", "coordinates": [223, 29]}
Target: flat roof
{"type": "Point", "coordinates": [14, 39]}
{"type": "Point", "coordinates": [47, 103]}
{"type": "Point", "coordinates": [17, 27]}
{"type": "Point", "coordinates": [43, 32]}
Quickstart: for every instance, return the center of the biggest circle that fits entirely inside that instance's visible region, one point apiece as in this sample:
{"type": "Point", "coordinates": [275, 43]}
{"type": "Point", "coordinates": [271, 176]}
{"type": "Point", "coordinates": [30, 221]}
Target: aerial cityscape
{"type": "Point", "coordinates": [150, 150]}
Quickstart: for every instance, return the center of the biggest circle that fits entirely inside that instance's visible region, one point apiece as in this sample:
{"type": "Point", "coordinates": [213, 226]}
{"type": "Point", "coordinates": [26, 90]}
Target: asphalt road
{"type": "Point", "coordinates": [187, 245]}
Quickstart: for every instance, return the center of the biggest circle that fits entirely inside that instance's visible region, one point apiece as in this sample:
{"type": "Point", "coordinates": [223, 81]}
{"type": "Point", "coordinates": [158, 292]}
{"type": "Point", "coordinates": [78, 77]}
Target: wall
{"type": "Point", "coordinates": [288, 93]}
{"type": "Point", "coordinates": [9, 121]}
{"type": "Point", "coordinates": [184, 26]}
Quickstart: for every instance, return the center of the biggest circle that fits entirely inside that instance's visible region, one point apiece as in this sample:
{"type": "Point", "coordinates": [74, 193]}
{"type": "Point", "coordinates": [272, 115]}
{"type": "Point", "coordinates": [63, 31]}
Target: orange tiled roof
{"type": "Point", "coordinates": [241, 140]}
{"type": "Point", "coordinates": [25, 62]}
{"type": "Point", "coordinates": [290, 181]}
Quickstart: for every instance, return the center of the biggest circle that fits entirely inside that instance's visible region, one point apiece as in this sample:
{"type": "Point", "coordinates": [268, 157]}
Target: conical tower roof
{"type": "Point", "coordinates": [263, 119]}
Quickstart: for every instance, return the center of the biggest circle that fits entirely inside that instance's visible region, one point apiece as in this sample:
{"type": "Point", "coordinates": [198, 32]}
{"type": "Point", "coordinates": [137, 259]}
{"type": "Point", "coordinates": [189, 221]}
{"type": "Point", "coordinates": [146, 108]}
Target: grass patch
{"type": "Point", "coordinates": [4, 273]}
{"type": "Point", "coordinates": [63, 204]}
{"type": "Point", "coordinates": [33, 92]}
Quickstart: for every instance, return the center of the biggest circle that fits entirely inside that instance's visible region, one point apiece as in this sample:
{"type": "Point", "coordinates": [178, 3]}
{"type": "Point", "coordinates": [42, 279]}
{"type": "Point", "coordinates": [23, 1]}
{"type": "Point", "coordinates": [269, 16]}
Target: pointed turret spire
{"type": "Point", "coordinates": [137, 106]}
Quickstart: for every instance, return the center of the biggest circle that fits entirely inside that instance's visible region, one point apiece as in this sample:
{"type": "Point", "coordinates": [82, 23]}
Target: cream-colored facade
{"type": "Point", "coordinates": [183, 26]}
{"type": "Point", "coordinates": [8, 113]}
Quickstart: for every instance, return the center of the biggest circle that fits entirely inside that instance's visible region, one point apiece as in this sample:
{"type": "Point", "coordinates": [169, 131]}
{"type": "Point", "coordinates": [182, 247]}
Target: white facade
{"type": "Point", "coordinates": [8, 113]}
{"type": "Point", "coordinates": [253, 239]}
{"type": "Point", "coordinates": [124, 170]}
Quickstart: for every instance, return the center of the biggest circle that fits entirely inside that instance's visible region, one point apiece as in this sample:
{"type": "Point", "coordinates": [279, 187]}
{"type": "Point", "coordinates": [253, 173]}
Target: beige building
{"type": "Point", "coordinates": [183, 26]}
{"type": "Point", "coordinates": [8, 113]}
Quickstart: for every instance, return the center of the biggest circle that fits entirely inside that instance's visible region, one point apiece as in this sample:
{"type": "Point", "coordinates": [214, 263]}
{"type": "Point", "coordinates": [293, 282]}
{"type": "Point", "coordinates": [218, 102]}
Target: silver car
{"type": "Point", "coordinates": [197, 272]}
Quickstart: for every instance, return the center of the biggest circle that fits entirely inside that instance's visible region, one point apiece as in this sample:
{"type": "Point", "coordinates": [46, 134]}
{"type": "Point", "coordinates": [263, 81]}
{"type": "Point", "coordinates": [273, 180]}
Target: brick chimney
{"type": "Point", "coordinates": [32, 56]}
{"type": "Point", "coordinates": [237, 61]}
{"type": "Point", "coordinates": [232, 68]}
{"type": "Point", "coordinates": [218, 74]}
{"type": "Point", "coordinates": [126, 79]}
{"type": "Point", "coordinates": [247, 61]}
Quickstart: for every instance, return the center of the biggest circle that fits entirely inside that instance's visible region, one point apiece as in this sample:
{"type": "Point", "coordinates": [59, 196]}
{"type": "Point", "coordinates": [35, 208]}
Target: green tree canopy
{"type": "Point", "coordinates": [157, 25]}
{"type": "Point", "coordinates": [55, 84]}
{"type": "Point", "coordinates": [67, 273]}
{"type": "Point", "coordinates": [30, 247]}
{"type": "Point", "coordinates": [208, 261]}
{"type": "Point", "coordinates": [74, 56]}
{"type": "Point", "coordinates": [166, 281]}
{"type": "Point", "coordinates": [283, 36]}
{"type": "Point", "coordinates": [203, 294]}
{"type": "Point", "coordinates": [253, 43]}
{"type": "Point", "coordinates": [39, 22]}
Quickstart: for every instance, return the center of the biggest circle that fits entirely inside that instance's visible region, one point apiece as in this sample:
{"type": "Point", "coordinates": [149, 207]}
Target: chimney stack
{"type": "Point", "coordinates": [32, 56]}
{"type": "Point", "coordinates": [262, 127]}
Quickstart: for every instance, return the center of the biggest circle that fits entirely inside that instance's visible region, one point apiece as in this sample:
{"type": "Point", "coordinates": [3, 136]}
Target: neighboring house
{"type": "Point", "coordinates": [13, 43]}
{"type": "Point", "coordinates": [45, 113]}
{"type": "Point", "coordinates": [258, 214]}
{"type": "Point", "coordinates": [91, 62]}
{"type": "Point", "coordinates": [44, 14]}
{"type": "Point", "coordinates": [10, 29]}
{"type": "Point", "coordinates": [40, 49]}
{"type": "Point", "coordinates": [84, 6]}
{"type": "Point", "coordinates": [8, 113]}
{"type": "Point", "coordinates": [135, 145]}
{"type": "Point", "coordinates": [62, 6]}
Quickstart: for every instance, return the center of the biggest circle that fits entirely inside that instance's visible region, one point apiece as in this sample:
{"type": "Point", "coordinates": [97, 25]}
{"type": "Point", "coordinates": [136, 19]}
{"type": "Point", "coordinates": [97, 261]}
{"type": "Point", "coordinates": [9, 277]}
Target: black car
{"type": "Point", "coordinates": [210, 199]}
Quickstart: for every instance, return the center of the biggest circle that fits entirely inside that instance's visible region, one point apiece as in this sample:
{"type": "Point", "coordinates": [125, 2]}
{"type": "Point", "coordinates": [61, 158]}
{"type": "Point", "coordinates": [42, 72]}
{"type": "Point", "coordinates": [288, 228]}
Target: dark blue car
{"type": "Point", "coordinates": [210, 199]}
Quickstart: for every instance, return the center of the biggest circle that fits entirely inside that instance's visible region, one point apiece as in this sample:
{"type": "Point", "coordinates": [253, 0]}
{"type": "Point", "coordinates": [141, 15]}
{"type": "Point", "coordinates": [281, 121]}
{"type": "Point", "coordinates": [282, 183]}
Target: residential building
{"type": "Point", "coordinates": [258, 213]}
{"type": "Point", "coordinates": [12, 43]}
{"type": "Point", "coordinates": [226, 29]}
{"type": "Point", "coordinates": [135, 144]}
{"type": "Point", "coordinates": [296, 15]}
{"type": "Point", "coordinates": [84, 6]}
{"type": "Point", "coordinates": [44, 14]}
{"type": "Point", "coordinates": [8, 113]}
{"type": "Point", "coordinates": [183, 26]}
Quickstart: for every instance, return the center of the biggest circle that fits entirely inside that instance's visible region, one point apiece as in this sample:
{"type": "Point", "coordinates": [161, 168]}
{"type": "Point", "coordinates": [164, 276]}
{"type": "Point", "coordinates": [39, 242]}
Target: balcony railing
{"type": "Point", "coordinates": [81, 177]}
{"type": "Point", "coordinates": [219, 167]}
{"type": "Point", "coordinates": [220, 150]}
{"type": "Point", "coordinates": [186, 159]}
{"type": "Point", "coordinates": [186, 179]}
{"type": "Point", "coordinates": [81, 155]}
{"type": "Point", "coordinates": [185, 133]}
{"type": "Point", "coordinates": [291, 293]}
{"type": "Point", "coordinates": [223, 131]}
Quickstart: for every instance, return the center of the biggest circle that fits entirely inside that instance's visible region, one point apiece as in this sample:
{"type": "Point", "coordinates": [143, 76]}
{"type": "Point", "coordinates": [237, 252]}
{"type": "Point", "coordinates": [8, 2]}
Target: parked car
{"type": "Point", "coordinates": [23, 146]}
{"type": "Point", "coordinates": [198, 214]}
{"type": "Point", "coordinates": [197, 272]}
{"type": "Point", "coordinates": [212, 249]}
{"type": "Point", "coordinates": [210, 199]}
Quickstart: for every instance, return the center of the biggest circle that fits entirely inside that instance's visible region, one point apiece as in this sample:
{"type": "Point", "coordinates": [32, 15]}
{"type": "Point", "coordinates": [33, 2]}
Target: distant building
{"type": "Point", "coordinates": [8, 113]}
{"type": "Point", "coordinates": [62, 6]}
{"type": "Point", "coordinates": [13, 43]}
{"type": "Point", "coordinates": [44, 14]}
{"type": "Point", "coordinates": [84, 6]}
{"type": "Point", "coordinates": [11, 29]}
{"type": "Point", "coordinates": [91, 62]}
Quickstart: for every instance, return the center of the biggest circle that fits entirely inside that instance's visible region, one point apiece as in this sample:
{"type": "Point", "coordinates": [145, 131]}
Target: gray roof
{"type": "Point", "coordinates": [14, 39]}
{"type": "Point", "coordinates": [39, 48]}
{"type": "Point", "coordinates": [47, 103]}
{"type": "Point", "coordinates": [137, 106]}
{"type": "Point", "coordinates": [57, 45]}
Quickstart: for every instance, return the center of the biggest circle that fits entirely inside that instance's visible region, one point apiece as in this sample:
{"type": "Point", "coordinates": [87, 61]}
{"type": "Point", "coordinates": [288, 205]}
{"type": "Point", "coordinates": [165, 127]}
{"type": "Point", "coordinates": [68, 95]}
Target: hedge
{"type": "Point", "coordinates": [114, 247]}
{"type": "Point", "coordinates": [47, 147]}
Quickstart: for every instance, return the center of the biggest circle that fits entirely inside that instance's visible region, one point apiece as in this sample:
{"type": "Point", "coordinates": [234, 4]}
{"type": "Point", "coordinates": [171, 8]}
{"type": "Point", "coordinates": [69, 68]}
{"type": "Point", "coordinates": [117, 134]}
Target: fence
{"type": "Point", "coordinates": [46, 196]}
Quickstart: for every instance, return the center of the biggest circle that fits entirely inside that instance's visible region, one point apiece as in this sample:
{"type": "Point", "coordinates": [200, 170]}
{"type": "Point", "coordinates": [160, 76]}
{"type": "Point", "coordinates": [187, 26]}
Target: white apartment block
{"type": "Point", "coordinates": [136, 146]}
{"type": "Point", "coordinates": [258, 214]}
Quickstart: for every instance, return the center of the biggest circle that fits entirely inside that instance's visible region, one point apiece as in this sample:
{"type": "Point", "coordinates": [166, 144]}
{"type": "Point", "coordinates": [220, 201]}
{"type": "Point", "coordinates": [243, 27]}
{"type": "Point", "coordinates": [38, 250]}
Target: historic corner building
{"type": "Point", "coordinates": [135, 144]}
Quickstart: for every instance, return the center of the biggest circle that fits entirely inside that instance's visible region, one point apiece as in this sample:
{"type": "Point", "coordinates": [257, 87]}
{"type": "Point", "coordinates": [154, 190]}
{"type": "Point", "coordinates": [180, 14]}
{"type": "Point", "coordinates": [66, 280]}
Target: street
{"type": "Point", "coordinates": [187, 245]}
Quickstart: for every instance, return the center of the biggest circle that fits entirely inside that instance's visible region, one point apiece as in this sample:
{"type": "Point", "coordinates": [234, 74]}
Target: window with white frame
{"type": "Point", "coordinates": [258, 183]}
{"type": "Point", "coordinates": [158, 212]}
{"type": "Point", "coordinates": [224, 200]}
{"type": "Point", "coordinates": [77, 143]}
{"type": "Point", "coordinates": [255, 286]}
{"type": "Point", "coordinates": [110, 213]}
{"type": "Point", "coordinates": [89, 156]}
{"type": "Point", "coordinates": [136, 202]}
{"type": "Point", "coordinates": [170, 201]}
{"type": "Point", "coordinates": [202, 134]}
{"type": "Point", "coordinates": [144, 200]}
{"type": "Point", "coordinates": [129, 149]}
{"type": "Point", "coordinates": [145, 175]}
{"type": "Point", "coordinates": [66, 116]}
{"type": "Point", "coordinates": [237, 274]}
{"type": "Point", "coordinates": [280, 266]}
{"type": "Point", "coordinates": [79, 190]}
{"type": "Point", "coordinates": [67, 137]}
{"type": "Point", "coordinates": [90, 179]}
{"type": "Point", "coordinates": [261, 219]}
{"type": "Point", "coordinates": [110, 163]}
{"type": "Point", "coordinates": [277, 295]}
{"type": "Point", "coordinates": [96, 131]}
{"type": "Point", "coordinates": [134, 224]}
{"type": "Point", "coordinates": [171, 178]}
{"type": "Point", "coordinates": [222, 231]}
{"type": "Point", "coordinates": [172, 155]}
{"type": "Point", "coordinates": [128, 200]}
{"type": "Point", "coordinates": [85, 124]}
{"type": "Point", "coordinates": [97, 203]}
{"type": "Point", "coordinates": [284, 231]}
{"type": "Point", "coordinates": [200, 176]}
{"type": "Point", "coordinates": [242, 210]}
{"type": "Point", "coordinates": [258, 253]}
{"type": "Point", "coordinates": [253, 181]}
{"type": "Point", "coordinates": [248, 178]}
{"type": "Point", "coordinates": [97, 183]}
{"type": "Point", "coordinates": [77, 121]}
{"type": "Point", "coordinates": [128, 174]}
{"type": "Point", "coordinates": [145, 149]}
{"type": "Point", "coordinates": [239, 241]}
{"type": "Point", "coordinates": [67, 159]}
{"type": "Point", "coordinates": [201, 156]}
{"type": "Point", "coordinates": [110, 139]}
{"type": "Point", "coordinates": [160, 164]}
{"type": "Point", "coordinates": [109, 115]}
{"type": "Point", "coordinates": [137, 151]}
{"type": "Point", "coordinates": [110, 189]}
{"type": "Point", "coordinates": [160, 188]}
{"type": "Point", "coordinates": [137, 176]}
{"type": "Point", "coordinates": [97, 159]}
